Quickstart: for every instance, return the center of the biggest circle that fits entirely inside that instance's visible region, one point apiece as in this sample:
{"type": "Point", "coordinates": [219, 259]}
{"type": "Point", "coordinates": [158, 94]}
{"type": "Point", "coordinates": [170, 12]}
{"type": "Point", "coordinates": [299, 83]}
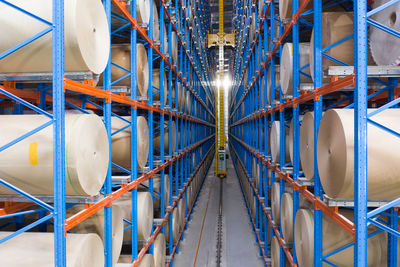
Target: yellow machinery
{"type": "Point", "coordinates": [221, 39]}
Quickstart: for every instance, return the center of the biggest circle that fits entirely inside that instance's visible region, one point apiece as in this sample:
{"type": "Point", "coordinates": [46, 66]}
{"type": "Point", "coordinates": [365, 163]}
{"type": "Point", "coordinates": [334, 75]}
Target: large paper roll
{"type": "Point", "coordinates": [121, 142]}
{"type": "Point", "coordinates": [269, 83]}
{"type": "Point", "coordinates": [156, 23]}
{"type": "Point", "coordinates": [175, 225]}
{"type": "Point", "coordinates": [188, 104]}
{"type": "Point", "coordinates": [286, 73]}
{"type": "Point", "coordinates": [335, 27]}
{"type": "Point", "coordinates": [285, 8]}
{"type": "Point", "coordinates": [275, 142]}
{"type": "Point", "coordinates": [87, 37]}
{"type": "Point", "coordinates": [121, 56]}
{"type": "Point", "coordinates": [157, 87]}
{"type": "Point", "coordinates": [182, 212]}
{"type": "Point", "coordinates": [174, 46]}
{"type": "Point", "coordinates": [181, 97]}
{"type": "Point", "coordinates": [143, 11]}
{"type": "Point", "coordinates": [334, 237]}
{"type": "Point", "coordinates": [37, 249]}
{"type": "Point", "coordinates": [144, 214]}
{"type": "Point", "coordinates": [159, 251]}
{"type": "Point", "coordinates": [252, 29]}
{"type": "Point", "coordinates": [157, 189]}
{"type": "Point", "coordinates": [95, 224]}
{"type": "Point", "coordinates": [28, 164]}
{"type": "Point", "coordinates": [275, 253]}
{"type": "Point", "coordinates": [306, 148]}
{"type": "Point", "coordinates": [290, 142]}
{"type": "Point", "coordinates": [275, 202]}
{"type": "Point", "coordinates": [157, 141]}
{"type": "Point", "coordinates": [384, 45]}
{"type": "Point", "coordinates": [336, 154]}
{"type": "Point", "coordinates": [287, 214]}
{"type": "Point", "coordinates": [147, 261]}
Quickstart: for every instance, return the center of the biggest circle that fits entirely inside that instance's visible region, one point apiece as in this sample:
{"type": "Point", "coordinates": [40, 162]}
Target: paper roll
{"type": "Point", "coordinates": [144, 214]}
{"type": "Point", "coordinates": [275, 253]}
{"type": "Point", "coordinates": [260, 8]}
{"type": "Point", "coordinates": [121, 56]}
{"type": "Point", "coordinates": [269, 83]}
{"type": "Point", "coordinates": [87, 46]}
{"type": "Point", "coordinates": [157, 87]}
{"type": "Point", "coordinates": [174, 46]}
{"type": "Point", "coordinates": [188, 104]}
{"type": "Point", "coordinates": [287, 214]}
{"type": "Point", "coordinates": [159, 251]}
{"type": "Point", "coordinates": [334, 237]}
{"type": "Point", "coordinates": [384, 45]}
{"type": "Point", "coordinates": [182, 212]}
{"type": "Point", "coordinates": [156, 24]}
{"type": "Point", "coordinates": [147, 261]}
{"type": "Point", "coordinates": [175, 225]}
{"type": "Point", "coordinates": [275, 142]}
{"type": "Point", "coordinates": [252, 29]}
{"type": "Point", "coordinates": [121, 142]}
{"type": "Point", "coordinates": [336, 154]}
{"type": "Point", "coordinates": [275, 202]}
{"type": "Point", "coordinates": [286, 72]}
{"type": "Point", "coordinates": [143, 11]}
{"type": "Point", "coordinates": [157, 141]}
{"type": "Point", "coordinates": [95, 225]}
{"type": "Point", "coordinates": [37, 249]}
{"type": "Point", "coordinates": [285, 8]}
{"type": "Point", "coordinates": [306, 145]}
{"type": "Point", "coordinates": [157, 188]}
{"type": "Point", "coordinates": [335, 27]}
{"type": "Point", "coordinates": [290, 142]}
{"type": "Point", "coordinates": [28, 164]}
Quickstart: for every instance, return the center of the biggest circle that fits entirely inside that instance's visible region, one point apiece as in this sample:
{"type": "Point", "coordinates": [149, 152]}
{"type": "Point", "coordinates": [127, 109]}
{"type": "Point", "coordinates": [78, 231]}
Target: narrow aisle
{"type": "Point", "coordinates": [238, 240]}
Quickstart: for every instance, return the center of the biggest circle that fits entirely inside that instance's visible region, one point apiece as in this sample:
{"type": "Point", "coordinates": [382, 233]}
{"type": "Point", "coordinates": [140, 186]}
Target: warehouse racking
{"type": "Point", "coordinates": [76, 91]}
{"type": "Point", "coordinates": [249, 129]}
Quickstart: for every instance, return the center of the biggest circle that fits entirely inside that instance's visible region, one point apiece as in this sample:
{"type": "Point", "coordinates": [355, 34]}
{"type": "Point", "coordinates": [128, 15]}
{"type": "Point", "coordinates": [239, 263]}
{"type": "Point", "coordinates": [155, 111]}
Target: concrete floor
{"type": "Point", "coordinates": [239, 247]}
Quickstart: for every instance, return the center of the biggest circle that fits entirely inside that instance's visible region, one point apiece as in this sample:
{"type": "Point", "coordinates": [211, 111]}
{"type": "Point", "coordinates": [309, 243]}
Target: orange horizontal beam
{"type": "Point", "coordinates": [13, 207]}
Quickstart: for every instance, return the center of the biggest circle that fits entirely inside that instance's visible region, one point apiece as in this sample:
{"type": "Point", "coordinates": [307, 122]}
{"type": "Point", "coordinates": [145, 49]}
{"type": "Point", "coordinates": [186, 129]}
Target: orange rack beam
{"type": "Point", "coordinates": [12, 207]}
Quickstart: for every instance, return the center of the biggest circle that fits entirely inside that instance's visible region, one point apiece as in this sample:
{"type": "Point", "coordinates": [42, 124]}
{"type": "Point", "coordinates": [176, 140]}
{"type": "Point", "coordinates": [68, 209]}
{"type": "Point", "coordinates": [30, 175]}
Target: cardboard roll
{"type": "Point", "coordinates": [95, 224]}
{"type": "Point", "coordinates": [157, 87]}
{"type": "Point", "coordinates": [336, 154]}
{"type": "Point", "coordinates": [37, 249]}
{"type": "Point", "coordinates": [159, 250]}
{"type": "Point", "coordinates": [144, 214]}
{"type": "Point", "coordinates": [269, 84]}
{"type": "Point", "coordinates": [174, 46]}
{"type": "Point", "coordinates": [157, 189]}
{"type": "Point", "coordinates": [287, 214]}
{"type": "Point", "coordinates": [121, 56]}
{"type": "Point", "coordinates": [285, 8]}
{"type": "Point", "coordinates": [182, 212]}
{"type": "Point", "coordinates": [384, 45]}
{"type": "Point", "coordinates": [147, 261]}
{"type": "Point", "coordinates": [335, 27]}
{"type": "Point", "coordinates": [28, 164]}
{"type": "Point", "coordinates": [286, 72]}
{"type": "Point", "coordinates": [290, 141]}
{"type": "Point", "coordinates": [334, 237]}
{"type": "Point", "coordinates": [275, 253]}
{"type": "Point", "coordinates": [306, 145]}
{"type": "Point", "coordinates": [275, 142]}
{"type": "Point", "coordinates": [86, 47]}
{"type": "Point", "coordinates": [167, 132]}
{"type": "Point", "coordinates": [121, 142]}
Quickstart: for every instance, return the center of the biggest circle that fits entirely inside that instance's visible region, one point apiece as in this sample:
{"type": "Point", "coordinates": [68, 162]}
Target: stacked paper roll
{"type": "Point", "coordinates": [334, 237]}
{"type": "Point", "coordinates": [275, 253]}
{"type": "Point", "coordinates": [144, 214]}
{"type": "Point", "coordinates": [95, 224]}
{"type": "Point", "coordinates": [156, 23]}
{"type": "Point", "coordinates": [285, 8]}
{"type": "Point", "coordinates": [86, 47]}
{"type": "Point", "coordinates": [175, 225]}
{"type": "Point", "coordinates": [270, 89]}
{"type": "Point", "coordinates": [384, 45]}
{"type": "Point", "coordinates": [28, 164]}
{"type": "Point", "coordinates": [275, 142]}
{"type": "Point", "coordinates": [37, 249]}
{"type": "Point", "coordinates": [275, 201]}
{"type": "Point", "coordinates": [143, 11]}
{"type": "Point", "coordinates": [147, 261]}
{"type": "Point", "coordinates": [157, 87]}
{"type": "Point", "coordinates": [287, 214]}
{"type": "Point", "coordinates": [121, 56]}
{"type": "Point", "coordinates": [306, 145]}
{"type": "Point", "coordinates": [335, 27]}
{"type": "Point", "coordinates": [286, 73]}
{"type": "Point", "coordinates": [182, 212]}
{"type": "Point", "coordinates": [290, 143]}
{"type": "Point", "coordinates": [159, 251]}
{"type": "Point", "coordinates": [157, 141]}
{"type": "Point", "coordinates": [336, 154]}
{"type": "Point", "coordinates": [121, 142]}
